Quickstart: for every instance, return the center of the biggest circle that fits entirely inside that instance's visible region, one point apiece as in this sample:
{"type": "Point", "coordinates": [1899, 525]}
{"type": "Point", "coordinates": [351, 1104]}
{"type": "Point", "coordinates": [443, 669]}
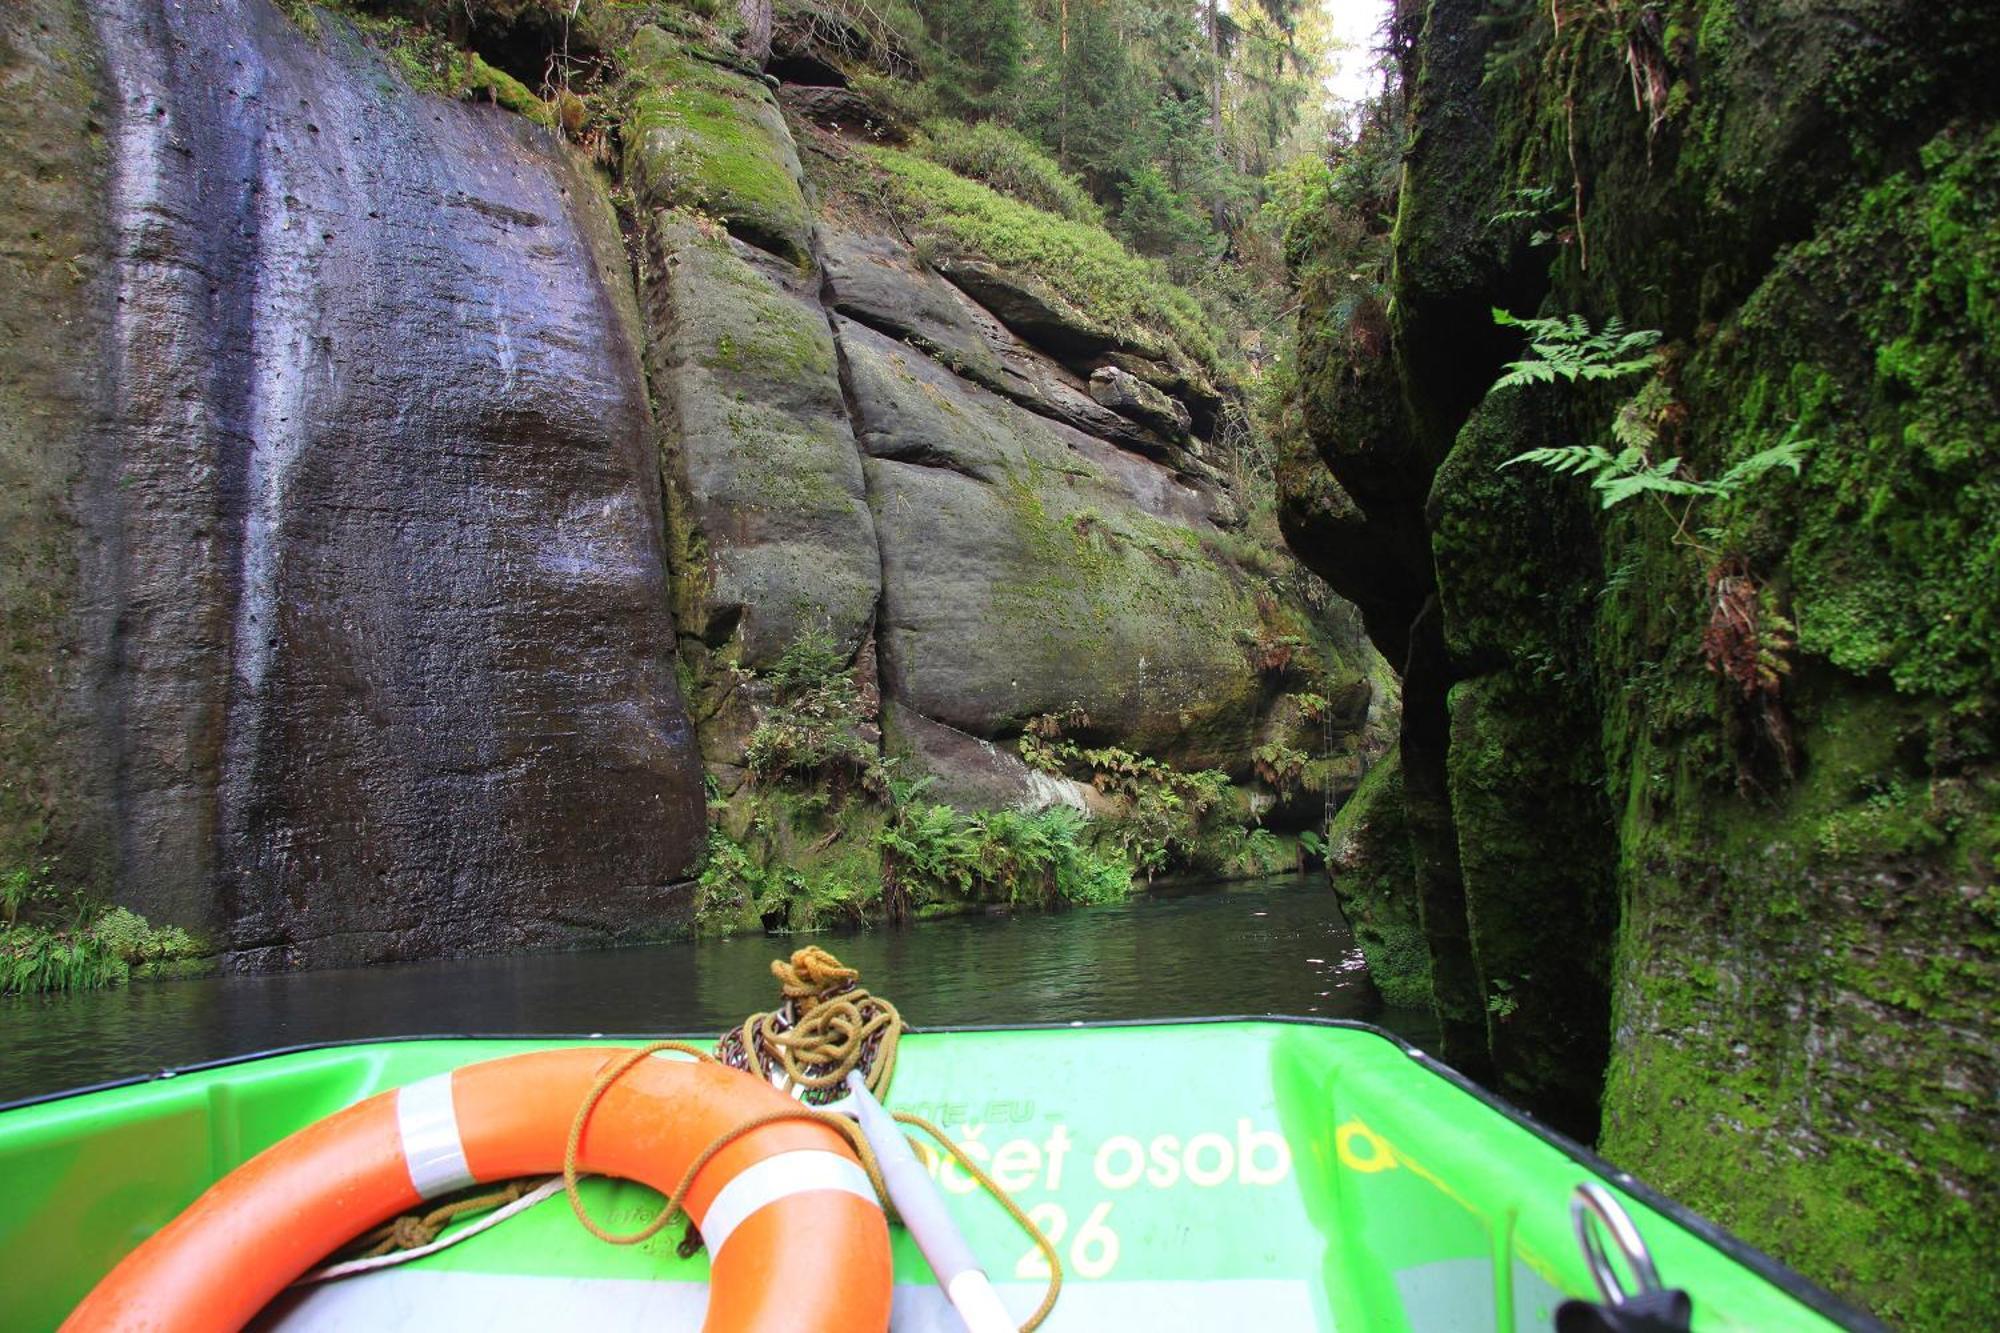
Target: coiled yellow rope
{"type": "Point", "coordinates": [668, 1211]}
{"type": "Point", "coordinates": [827, 1028]}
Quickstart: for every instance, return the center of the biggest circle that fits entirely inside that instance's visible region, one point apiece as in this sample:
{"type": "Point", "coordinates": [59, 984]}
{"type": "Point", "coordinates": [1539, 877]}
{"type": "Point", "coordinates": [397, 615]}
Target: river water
{"type": "Point", "coordinates": [1274, 946]}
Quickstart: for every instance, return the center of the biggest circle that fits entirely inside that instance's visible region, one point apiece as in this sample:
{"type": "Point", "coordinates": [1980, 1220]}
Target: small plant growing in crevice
{"type": "Point", "coordinates": [1746, 643]}
{"type": "Point", "coordinates": [1280, 765]}
{"type": "Point", "coordinates": [1312, 706]}
{"type": "Point", "coordinates": [1537, 205]}
{"type": "Point", "coordinates": [813, 729]}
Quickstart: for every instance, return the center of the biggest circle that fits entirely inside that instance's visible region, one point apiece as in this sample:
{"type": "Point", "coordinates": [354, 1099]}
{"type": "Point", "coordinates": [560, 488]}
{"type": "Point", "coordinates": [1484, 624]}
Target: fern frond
{"type": "Point", "coordinates": [1566, 348]}
{"type": "Point", "coordinates": [1580, 459]}
{"type": "Point", "coordinates": [1787, 453]}
{"type": "Point", "coordinates": [1632, 428]}
{"type": "Point", "coordinates": [1526, 372]}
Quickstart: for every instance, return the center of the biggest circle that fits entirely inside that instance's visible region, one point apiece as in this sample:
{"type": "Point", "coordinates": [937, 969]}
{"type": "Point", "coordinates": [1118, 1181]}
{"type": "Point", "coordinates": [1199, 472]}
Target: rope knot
{"type": "Point", "coordinates": [812, 977]}
{"type": "Point", "coordinates": [410, 1232]}
{"type": "Point", "coordinates": [827, 1028]}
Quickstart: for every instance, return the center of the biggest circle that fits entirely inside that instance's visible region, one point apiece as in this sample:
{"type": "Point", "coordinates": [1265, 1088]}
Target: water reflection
{"type": "Point", "coordinates": [1271, 946]}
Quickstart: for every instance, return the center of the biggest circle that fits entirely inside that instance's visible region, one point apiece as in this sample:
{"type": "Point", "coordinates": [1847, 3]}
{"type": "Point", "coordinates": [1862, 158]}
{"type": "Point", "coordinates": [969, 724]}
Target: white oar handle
{"type": "Point", "coordinates": [922, 1208]}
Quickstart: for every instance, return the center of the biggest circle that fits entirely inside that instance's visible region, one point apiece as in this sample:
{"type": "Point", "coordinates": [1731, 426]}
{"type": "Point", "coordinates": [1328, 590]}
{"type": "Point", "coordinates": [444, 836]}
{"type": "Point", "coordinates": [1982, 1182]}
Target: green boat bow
{"type": "Point", "coordinates": [1235, 1173]}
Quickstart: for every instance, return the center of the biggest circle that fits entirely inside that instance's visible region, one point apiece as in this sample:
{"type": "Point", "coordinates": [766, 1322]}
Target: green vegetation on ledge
{"type": "Point", "coordinates": [1081, 263]}
{"type": "Point", "coordinates": [52, 940]}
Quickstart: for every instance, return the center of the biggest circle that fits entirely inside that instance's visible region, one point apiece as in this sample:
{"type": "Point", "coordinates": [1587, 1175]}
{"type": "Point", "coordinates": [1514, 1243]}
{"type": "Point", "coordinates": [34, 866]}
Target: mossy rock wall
{"type": "Point", "coordinates": [1369, 863]}
{"type": "Point", "coordinates": [55, 802]}
{"type": "Point", "coordinates": [1783, 883]}
{"type": "Point", "coordinates": [852, 444]}
{"type": "Point", "coordinates": [1811, 960]}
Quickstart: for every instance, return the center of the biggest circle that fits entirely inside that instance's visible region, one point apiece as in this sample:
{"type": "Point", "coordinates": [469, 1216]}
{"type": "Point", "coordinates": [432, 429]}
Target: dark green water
{"type": "Point", "coordinates": [1274, 946]}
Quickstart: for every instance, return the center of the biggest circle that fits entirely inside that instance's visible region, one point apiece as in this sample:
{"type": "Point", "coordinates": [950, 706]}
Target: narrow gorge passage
{"type": "Point", "coordinates": [521, 475]}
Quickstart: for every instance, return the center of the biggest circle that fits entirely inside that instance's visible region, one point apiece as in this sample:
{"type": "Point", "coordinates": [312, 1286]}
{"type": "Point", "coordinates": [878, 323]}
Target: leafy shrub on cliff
{"type": "Point", "coordinates": [812, 730]}
{"type": "Point", "coordinates": [1165, 819]}
{"type": "Point", "coordinates": [735, 891]}
{"type": "Point", "coordinates": [41, 951]}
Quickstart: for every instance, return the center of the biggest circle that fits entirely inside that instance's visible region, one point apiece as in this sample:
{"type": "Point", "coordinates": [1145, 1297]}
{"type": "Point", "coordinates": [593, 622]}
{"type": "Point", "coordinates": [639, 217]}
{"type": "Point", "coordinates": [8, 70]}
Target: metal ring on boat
{"type": "Point", "coordinates": [786, 1211]}
{"type": "Point", "coordinates": [1594, 1204]}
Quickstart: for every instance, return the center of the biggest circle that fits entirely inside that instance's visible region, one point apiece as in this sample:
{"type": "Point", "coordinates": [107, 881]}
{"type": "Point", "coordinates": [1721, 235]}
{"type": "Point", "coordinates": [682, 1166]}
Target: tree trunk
{"type": "Point", "coordinates": [755, 43]}
{"type": "Point", "coordinates": [1215, 77]}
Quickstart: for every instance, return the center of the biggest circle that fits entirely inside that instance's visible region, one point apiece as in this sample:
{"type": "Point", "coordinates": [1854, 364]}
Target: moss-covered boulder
{"type": "Point", "coordinates": [1031, 569]}
{"type": "Point", "coordinates": [1368, 860]}
{"type": "Point", "coordinates": [710, 138]}
{"type": "Point", "coordinates": [1731, 749]}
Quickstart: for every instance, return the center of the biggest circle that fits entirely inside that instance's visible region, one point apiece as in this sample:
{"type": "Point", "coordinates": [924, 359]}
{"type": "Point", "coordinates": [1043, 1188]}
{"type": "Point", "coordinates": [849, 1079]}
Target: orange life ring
{"type": "Point", "coordinates": [258, 1229]}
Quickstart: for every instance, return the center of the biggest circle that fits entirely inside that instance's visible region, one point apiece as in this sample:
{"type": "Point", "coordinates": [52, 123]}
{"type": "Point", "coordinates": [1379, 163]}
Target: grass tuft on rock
{"type": "Point", "coordinates": [1082, 263]}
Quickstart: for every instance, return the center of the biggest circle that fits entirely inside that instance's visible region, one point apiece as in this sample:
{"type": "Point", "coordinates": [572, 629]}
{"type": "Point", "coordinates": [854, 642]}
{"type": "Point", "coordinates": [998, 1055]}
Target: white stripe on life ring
{"type": "Point", "coordinates": [432, 1148]}
{"type": "Point", "coordinates": [779, 1177]}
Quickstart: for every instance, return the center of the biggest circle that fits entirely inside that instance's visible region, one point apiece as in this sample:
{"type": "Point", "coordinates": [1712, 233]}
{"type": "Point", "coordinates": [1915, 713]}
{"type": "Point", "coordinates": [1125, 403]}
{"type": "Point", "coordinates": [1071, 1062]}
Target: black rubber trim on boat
{"type": "Point", "coordinates": [1807, 1293]}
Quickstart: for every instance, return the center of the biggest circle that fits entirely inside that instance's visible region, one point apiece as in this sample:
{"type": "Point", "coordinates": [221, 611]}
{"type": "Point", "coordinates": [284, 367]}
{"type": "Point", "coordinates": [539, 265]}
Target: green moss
{"type": "Point", "coordinates": [1797, 981]}
{"type": "Point", "coordinates": [1369, 862]}
{"type": "Point", "coordinates": [765, 498]}
{"type": "Point", "coordinates": [505, 90]}
{"type": "Point", "coordinates": [1011, 163]}
{"type": "Point", "coordinates": [1899, 552]}
{"type": "Point", "coordinates": [1082, 263]}
{"type": "Point", "coordinates": [791, 858]}
{"type": "Point", "coordinates": [704, 138]}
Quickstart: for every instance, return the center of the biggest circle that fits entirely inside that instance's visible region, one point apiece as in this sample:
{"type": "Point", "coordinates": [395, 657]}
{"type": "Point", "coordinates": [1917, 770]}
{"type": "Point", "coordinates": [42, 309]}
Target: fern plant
{"type": "Point", "coordinates": [1566, 349]}
{"type": "Point", "coordinates": [1621, 476]}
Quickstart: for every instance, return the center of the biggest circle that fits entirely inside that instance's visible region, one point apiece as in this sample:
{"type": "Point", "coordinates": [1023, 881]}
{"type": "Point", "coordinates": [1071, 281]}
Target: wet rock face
{"type": "Point", "coordinates": [54, 300]}
{"type": "Point", "coordinates": [387, 628]}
